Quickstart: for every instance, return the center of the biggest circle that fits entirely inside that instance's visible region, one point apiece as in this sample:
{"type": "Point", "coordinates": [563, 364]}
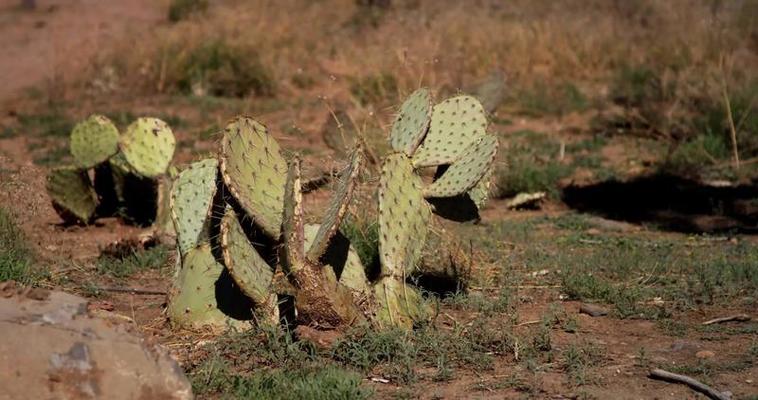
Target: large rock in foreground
{"type": "Point", "coordinates": [51, 348]}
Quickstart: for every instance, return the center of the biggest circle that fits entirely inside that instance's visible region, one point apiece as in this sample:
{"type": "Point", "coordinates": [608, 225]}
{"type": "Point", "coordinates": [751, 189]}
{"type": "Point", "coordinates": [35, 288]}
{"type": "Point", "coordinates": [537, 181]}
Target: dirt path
{"type": "Point", "coordinates": [56, 42]}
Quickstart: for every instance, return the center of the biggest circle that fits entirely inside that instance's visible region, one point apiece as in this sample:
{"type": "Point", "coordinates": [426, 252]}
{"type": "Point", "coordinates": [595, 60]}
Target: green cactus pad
{"type": "Point", "coordinates": [255, 172]}
{"type": "Point", "coordinates": [480, 193]}
{"type": "Point", "coordinates": [411, 122]}
{"type": "Point", "coordinates": [72, 193]}
{"type": "Point", "coordinates": [403, 216]}
{"type": "Point", "coordinates": [456, 124]}
{"type": "Point", "coordinates": [148, 146]}
{"type": "Point", "coordinates": [93, 141]}
{"type": "Point", "coordinates": [192, 301]}
{"type": "Point", "coordinates": [293, 225]}
{"type": "Point", "coordinates": [467, 171]}
{"type": "Point", "coordinates": [337, 208]}
{"type": "Point", "coordinates": [398, 304]}
{"type": "Point", "coordinates": [251, 272]}
{"type": "Point", "coordinates": [191, 201]}
{"type": "Point", "coordinates": [353, 273]}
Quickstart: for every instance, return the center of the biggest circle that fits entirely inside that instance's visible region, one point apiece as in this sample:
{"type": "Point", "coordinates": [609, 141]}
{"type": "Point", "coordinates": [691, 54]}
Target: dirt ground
{"type": "Point", "coordinates": [48, 50]}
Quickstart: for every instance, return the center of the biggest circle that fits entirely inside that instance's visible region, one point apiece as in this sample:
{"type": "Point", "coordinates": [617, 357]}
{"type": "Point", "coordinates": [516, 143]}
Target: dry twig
{"type": "Point", "coordinates": [692, 383]}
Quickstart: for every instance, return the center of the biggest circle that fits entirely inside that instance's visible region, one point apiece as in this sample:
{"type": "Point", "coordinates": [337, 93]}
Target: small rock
{"type": "Point", "coordinates": [592, 310]}
{"type": "Point", "coordinates": [594, 231]}
{"type": "Point", "coordinates": [52, 348]}
{"type": "Point", "coordinates": [705, 354]}
{"type": "Point", "coordinates": [526, 200]}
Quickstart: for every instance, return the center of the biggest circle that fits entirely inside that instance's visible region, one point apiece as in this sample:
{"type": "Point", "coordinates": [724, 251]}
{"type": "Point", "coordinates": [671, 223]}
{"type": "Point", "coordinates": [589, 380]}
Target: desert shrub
{"type": "Point", "coordinates": [542, 99]}
{"type": "Point", "coordinates": [373, 89]}
{"type": "Point", "coordinates": [181, 9]}
{"type": "Point", "coordinates": [15, 255]}
{"type": "Point", "coordinates": [220, 69]}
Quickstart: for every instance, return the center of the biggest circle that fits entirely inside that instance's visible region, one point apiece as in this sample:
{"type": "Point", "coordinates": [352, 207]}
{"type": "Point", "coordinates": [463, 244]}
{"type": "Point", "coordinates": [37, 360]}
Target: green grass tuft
{"type": "Point", "coordinates": [16, 257]}
{"type": "Point", "coordinates": [133, 262]}
{"type": "Point", "coordinates": [182, 9]}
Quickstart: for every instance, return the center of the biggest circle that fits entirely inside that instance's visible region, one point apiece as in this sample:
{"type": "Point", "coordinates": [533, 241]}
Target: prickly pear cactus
{"type": "Point", "coordinates": [251, 272]}
{"type": "Point", "coordinates": [319, 298]}
{"type": "Point", "coordinates": [398, 304]}
{"type": "Point", "coordinates": [254, 171]}
{"type": "Point", "coordinates": [148, 146]}
{"type": "Point", "coordinates": [466, 171]}
{"type": "Point", "coordinates": [403, 216]}
{"type": "Point", "coordinates": [191, 200]}
{"type": "Point", "coordinates": [412, 122]}
{"type": "Point", "coordinates": [456, 123]}
{"type": "Point", "coordinates": [93, 141]}
{"type": "Point", "coordinates": [293, 226]}
{"type": "Point", "coordinates": [337, 208]}
{"type": "Point", "coordinates": [480, 193]}
{"type": "Point", "coordinates": [352, 273]}
{"type": "Point", "coordinates": [192, 301]}
{"type": "Point", "coordinates": [72, 193]}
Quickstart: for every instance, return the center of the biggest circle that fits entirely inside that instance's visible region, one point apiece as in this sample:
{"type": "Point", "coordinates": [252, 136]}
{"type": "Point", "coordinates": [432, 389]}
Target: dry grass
{"type": "Point", "coordinates": [448, 44]}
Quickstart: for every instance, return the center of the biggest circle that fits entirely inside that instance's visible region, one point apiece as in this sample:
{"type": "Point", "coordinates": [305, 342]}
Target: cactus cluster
{"type": "Point", "coordinates": [114, 174]}
{"type": "Point", "coordinates": [241, 230]}
{"type": "Point", "coordinates": [457, 143]}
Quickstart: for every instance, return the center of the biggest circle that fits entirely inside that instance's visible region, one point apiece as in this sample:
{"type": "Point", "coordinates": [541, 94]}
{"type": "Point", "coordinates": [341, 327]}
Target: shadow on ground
{"type": "Point", "coordinates": [670, 203]}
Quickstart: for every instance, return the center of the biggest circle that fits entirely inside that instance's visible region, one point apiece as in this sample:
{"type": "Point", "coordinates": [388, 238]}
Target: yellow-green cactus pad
{"type": "Point", "coordinates": [93, 141]}
{"type": "Point", "coordinates": [480, 193]}
{"type": "Point", "coordinates": [411, 122]}
{"type": "Point", "coordinates": [148, 146]}
{"type": "Point", "coordinates": [403, 216]}
{"type": "Point", "coordinates": [73, 195]}
{"type": "Point", "coordinates": [192, 301]}
{"type": "Point", "coordinates": [456, 123]}
{"type": "Point", "coordinates": [191, 201]}
{"type": "Point", "coordinates": [251, 272]}
{"type": "Point", "coordinates": [467, 171]}
{"type": "Point", "coordinates": [254, 171]}
{"type": "Point", "coordinates": [353, 273]}
{"type": "Point", "coordinates": [337, 208]}
{"type": "Point", "coordinates": [398, 304]}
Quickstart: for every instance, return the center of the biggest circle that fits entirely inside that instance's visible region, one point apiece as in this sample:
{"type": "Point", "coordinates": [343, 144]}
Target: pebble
{"type": "Point", "coordinates": [703, 354]}
{"type": "Point", "coordinates": [592, 310]}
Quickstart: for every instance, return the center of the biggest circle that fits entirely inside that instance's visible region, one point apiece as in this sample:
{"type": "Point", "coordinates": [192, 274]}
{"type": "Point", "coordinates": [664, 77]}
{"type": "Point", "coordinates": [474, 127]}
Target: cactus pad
{"type": "Point", "coordinates": [456, 123]}
{"type": "Point", "coordinates": [192, 301]}
{"type": "Point", "coordinates": [353, 273]}
{"type": "Point", "coordinates": [293, 225]}
{"type": "Point", "coordinates": [398, 304]}
{"type": "Point", "coordinates": [480, 193]}
{"type": "Point", "coordinates": [148, 145]}
{"type": "Point", "coordinates": [251, 272]}
{"type": "Point", "coordinates": [93, 141]}
{"type": "Point", "coordinates": [254, 171]}
{"type": "Point", "coordinates": [337, 208]}
{"type": "Point", "coordinates": [411, 122]}
{"type": "Point", "coordinates": [467, 171]}
{"type": "Point", "coordinates": [72, 192]}
{"type": "Point", "coordinates": [403, 216]}
{"type": "Point", "coordinates": [191, 201]}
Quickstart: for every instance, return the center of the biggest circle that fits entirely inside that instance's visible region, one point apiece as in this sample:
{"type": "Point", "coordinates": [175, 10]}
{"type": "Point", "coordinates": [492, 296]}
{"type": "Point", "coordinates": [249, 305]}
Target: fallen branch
{"type": "Point", "coordinates": [692, 383]}
{"type": "Point", "coordinates": [537, 321]}
{"type": "Point", "coordinates": [146, 292]}
{"type": "Point", "coordinates": [736, 317]}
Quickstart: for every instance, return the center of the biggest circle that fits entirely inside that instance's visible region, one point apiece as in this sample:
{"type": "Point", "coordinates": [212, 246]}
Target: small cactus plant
{"type": "Point", "coordinates": [241, 220]}
{"type": "Point", "coordinates": [126, 167]}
